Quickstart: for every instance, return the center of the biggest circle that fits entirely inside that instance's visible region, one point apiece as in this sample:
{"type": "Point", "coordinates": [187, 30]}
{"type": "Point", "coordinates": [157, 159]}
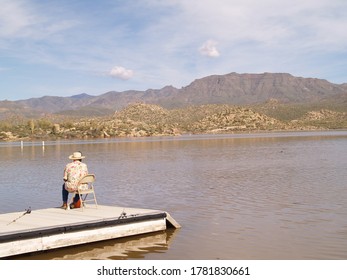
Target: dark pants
{"type": "Point", "coordinates": [65, 194]}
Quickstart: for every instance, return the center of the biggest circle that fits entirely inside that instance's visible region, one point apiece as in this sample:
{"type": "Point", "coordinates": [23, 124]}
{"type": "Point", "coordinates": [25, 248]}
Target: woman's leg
{"type": "Point", "coordinates": [65, 194]}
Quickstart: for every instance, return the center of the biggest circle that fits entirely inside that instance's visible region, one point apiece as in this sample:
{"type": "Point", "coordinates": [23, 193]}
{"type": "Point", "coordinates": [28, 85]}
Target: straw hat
{"type": "Point", "coordinates": [76, 155]}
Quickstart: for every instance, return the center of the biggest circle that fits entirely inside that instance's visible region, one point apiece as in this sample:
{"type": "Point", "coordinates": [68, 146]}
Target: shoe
{"type": "Point", "coordinates": [64, 206]}
{"type": "Point", "coordinates": [72, 206]}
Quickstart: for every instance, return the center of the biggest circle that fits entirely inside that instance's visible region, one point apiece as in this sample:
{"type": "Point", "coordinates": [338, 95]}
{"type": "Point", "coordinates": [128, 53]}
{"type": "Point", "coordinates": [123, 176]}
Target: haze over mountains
{"type": "Point", "coordinates": [233, 88]}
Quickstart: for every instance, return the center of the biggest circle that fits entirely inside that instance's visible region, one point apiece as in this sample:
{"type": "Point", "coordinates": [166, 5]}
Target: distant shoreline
{"type": "Point", "coordinates": [239, 135]}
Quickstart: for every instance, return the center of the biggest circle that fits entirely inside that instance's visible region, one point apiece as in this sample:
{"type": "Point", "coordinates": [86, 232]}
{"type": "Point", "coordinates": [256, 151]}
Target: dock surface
{"type": "Point", "coordinates": [51, 228]}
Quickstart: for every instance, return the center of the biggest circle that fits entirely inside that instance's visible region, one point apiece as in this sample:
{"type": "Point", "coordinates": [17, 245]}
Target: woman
{"type": "Point", "coordinates": [73, 173]}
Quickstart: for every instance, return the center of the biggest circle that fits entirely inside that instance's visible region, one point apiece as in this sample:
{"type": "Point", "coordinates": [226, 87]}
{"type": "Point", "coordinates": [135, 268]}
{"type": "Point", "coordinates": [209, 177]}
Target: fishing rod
{"type": "Point", "coordinates": [124, 215]}
{"type": "Point", "coordinates": [27, 211]}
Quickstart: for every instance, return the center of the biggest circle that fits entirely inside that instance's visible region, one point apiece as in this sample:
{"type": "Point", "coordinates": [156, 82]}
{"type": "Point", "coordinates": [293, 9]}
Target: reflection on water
{"type": "Point", "coordinates": [119, 249]}
{"type": "Point", "coordinates": [245, 196]}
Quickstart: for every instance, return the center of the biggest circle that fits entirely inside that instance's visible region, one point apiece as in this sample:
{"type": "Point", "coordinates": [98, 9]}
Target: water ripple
{"type": "Point", "coordinates": [280, 197]}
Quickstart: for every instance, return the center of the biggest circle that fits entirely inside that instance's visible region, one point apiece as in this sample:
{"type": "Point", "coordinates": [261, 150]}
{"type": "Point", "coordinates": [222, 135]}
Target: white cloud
{"type": "Point", "coordinates": [209, 49]}
{"type": "Point", "coordinates": [161, 39]}
{"type": "Point", "coordinates": [14, 18]}
{"type": "Point", "coordinates": [23, 19]}
{"type": "Point", "coordinates": [121, 73]}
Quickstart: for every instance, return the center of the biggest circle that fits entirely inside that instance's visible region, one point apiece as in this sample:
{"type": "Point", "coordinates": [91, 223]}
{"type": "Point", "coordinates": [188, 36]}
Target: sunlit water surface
{"type": "Point", "coordinates": [242, 196]}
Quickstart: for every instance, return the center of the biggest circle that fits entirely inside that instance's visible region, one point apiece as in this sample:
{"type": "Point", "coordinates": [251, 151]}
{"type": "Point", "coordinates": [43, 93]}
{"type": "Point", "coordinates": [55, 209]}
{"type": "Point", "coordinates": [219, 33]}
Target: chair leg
{"type": "Point", "coordinates": [71, 201]}
{"type": "Point", "coordinates": [82, 201]}
{"type": "Point", "coordinates": [96, 204]}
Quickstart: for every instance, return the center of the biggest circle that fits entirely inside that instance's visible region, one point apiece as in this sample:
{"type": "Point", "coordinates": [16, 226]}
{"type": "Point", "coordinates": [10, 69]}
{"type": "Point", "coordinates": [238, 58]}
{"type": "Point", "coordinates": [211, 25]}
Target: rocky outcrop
{"type": "Point", "coordinates": [235, 119]}
{"type": "Point", "coordinates": [323, 119]}
{"type": "Point", "coordinates": [324, 115]}
{"type": "Point", "coordinates": [142, 120]}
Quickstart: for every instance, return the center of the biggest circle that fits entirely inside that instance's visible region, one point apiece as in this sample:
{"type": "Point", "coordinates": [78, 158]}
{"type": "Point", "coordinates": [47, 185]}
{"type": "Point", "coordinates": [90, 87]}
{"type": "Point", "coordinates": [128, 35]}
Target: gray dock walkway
{"type": "Point", "coordinates": [52, 228]}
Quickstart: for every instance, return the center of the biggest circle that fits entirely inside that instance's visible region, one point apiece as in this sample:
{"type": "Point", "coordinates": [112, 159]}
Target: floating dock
{"type": "Point", "coordinates": [52, 228]}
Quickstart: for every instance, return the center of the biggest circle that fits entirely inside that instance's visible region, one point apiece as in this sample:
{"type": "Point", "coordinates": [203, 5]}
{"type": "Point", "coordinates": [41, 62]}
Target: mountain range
{"type": "Point", "coordinates": [232, 88]}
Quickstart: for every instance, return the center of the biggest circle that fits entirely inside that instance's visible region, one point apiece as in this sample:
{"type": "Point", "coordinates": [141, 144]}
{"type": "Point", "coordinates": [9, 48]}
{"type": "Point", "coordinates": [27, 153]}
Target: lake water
{"type": "Point", "coordinates": [240, 196]}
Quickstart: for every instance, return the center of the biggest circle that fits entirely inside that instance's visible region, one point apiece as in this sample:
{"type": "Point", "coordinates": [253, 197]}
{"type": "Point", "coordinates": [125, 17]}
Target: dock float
{"type": "Point", "coordinates": [52, 228]}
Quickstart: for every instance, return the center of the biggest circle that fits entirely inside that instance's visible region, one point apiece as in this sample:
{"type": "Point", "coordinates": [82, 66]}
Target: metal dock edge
{"type": "Point", "coordinates": [53, 228]}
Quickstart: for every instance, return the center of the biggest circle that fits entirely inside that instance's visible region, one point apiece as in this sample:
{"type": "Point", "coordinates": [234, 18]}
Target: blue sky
{"type": "Point", "coordinates": [63, 48]}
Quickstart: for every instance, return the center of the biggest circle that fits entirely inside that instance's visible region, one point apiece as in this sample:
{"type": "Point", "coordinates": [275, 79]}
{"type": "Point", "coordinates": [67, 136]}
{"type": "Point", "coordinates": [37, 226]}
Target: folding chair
{"type": "Point", "coordinates": [86, 187]}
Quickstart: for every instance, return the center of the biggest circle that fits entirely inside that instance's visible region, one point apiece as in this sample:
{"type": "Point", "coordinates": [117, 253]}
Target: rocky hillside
{"type": "Point", "coordinates": [231, 89]}
{"type": "Point", "coordinates": [215, 104]}
{"type": "Point", "coordinates": [141, 120]}
{"type": "Point", "coordinates": [246, 89]}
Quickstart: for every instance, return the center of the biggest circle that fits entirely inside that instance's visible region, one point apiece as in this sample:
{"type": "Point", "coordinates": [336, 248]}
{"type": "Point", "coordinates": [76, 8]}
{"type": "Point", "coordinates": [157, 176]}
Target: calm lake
{"type": "Point", "coordinates": [239, 196]}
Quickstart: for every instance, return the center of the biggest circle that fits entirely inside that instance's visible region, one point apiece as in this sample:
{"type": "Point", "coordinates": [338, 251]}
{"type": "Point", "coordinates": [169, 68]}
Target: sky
{"type": "Point", "coordinates": [68, 47]}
